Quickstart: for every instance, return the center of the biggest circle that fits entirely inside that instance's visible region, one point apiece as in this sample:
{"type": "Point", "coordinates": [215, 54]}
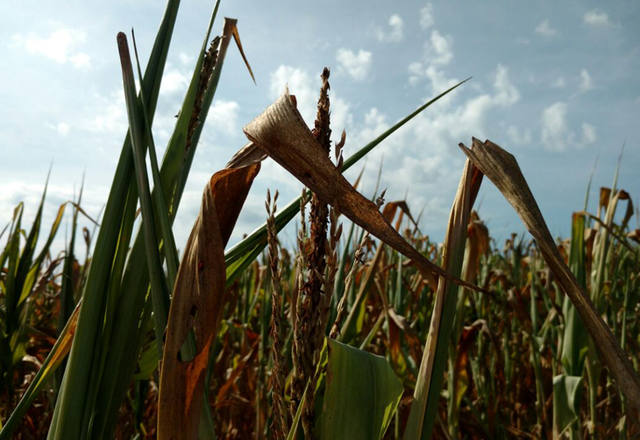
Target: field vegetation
{"type": "Point", "coordinates": [367, 329]}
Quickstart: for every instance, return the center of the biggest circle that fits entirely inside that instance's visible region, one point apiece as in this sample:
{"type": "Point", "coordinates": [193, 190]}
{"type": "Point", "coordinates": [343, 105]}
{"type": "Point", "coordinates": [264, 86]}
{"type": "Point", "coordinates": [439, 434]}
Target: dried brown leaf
{"type": "Point", "coordinates": [503, 170]}
{"type": "Point", "coordinates": [390, 209]}
{"type": "Point", "coordinates": [233, 25]}
{"type": "Point", "coordinates": [247, 155]}
{"type": "Point", "coordinates": [197, 302]}
{"type": "Point", "coordinates": [282, 133]}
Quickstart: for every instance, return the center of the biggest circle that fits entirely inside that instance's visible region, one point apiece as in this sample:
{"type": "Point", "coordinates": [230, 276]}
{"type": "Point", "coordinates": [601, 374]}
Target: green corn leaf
{"type": "Point", "coordinates": [575, 338]}
{"type": "Point", "coordinates": [296, 418]}
{"type": "Point", "coordinates": [566, 398]}
{"type": "Point", "coordinates": [161, 211]}
{"type": "Point", "coordinates": [362, 394]}
{"type": "Point", "coordinates": [159, 288]}
{"type": "Point", "coordinates": [429, 383]}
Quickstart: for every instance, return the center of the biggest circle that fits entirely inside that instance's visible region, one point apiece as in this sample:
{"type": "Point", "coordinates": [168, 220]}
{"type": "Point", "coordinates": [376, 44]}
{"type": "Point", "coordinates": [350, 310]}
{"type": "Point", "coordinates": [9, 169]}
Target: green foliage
{"type": "Point", "coordinates": [361, 397]}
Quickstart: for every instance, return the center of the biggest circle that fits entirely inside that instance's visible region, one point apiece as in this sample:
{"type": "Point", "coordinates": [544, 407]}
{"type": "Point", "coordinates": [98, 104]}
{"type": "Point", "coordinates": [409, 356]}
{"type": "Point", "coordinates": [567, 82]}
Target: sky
{"type": "Point", "coordinates": [555, 83]}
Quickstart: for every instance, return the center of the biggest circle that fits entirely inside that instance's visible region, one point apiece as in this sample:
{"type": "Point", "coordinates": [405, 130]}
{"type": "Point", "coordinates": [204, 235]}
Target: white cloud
{"type": "Point", "coordinates": [556, 134]}
{"type": "Point", "coordinates": [173, 81]}
{"type": "Point", "coordinates": [426, 16]}
{"type": "Point", "coordinates": [554, 127]}
{"type": "Point", "coordinates": [59, 46]}
{"type": "Point", "coordinates": [307, 92]}
{"type": "Point", "coordinates": [395, 32]}
{"type": "Point", "coordinates": [472, 113]}
{"type": "Point", "coordinates": [375, 118]}
{"type": "Point", "coordinates": [519, 137]}
{"type": "Point", "coordinates": [596, 18]}
{"type": "Point", "coordinates": [439, 48]}
{"type": "Point", "coordinates": [111, 114]}
{"type": "Point", "coordinates": [559, 83]}
{"type": "Point", "coordinates": [416, 71]}
{"type": "Point", "coordinates": [586, 83]}
{"type": "Point", "coordinates": [357, 65]}
{"type": "Point", "coordinates": [299, 84]}
{"type": "Point", "coordinates": [223, 115]}
{"type": "Point", "coordinates": [62, 128]}
{"type": "Point", "coordinates": [588, 134]}
{"type": "Point", "coordinates": [545, 29]}
{"type": "Point", "coordinates": [184, 58]}
{"type": "Point", "coordinates": [423, 154]}
{"type": "Point", "coordinates": [438, 52]}
{"type": "Point", "coordinates": [439, 81]}
{"type": "Point", "coordinates": [506, 93]}
{"type": "Point", "coordinates": [80, 60]}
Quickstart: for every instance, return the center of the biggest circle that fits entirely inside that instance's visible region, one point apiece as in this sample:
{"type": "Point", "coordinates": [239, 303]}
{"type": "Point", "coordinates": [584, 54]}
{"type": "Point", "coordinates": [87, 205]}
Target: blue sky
{"type": "Point", "coordinates": [554, 82]}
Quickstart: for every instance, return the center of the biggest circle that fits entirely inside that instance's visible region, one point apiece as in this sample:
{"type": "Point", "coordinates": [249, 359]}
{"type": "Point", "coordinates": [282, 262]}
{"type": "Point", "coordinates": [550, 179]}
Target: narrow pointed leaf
{"type": "Point", "coordinates": [75, 412]}
{"type": "Point", "coordinates": [159, 289]}
{"type": "Point", "coordinates": [236, 38]}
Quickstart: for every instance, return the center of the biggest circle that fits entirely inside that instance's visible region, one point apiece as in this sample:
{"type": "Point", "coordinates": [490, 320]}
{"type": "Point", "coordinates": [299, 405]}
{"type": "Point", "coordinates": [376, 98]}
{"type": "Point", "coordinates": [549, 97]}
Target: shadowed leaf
{"type": "Point", "coordinates": [566, 395]}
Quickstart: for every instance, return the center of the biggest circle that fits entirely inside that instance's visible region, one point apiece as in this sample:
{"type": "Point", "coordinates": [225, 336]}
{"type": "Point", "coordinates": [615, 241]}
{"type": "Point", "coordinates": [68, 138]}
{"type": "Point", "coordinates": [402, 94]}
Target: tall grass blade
{"type": "Point", "coordinates": [75, 408]}
{"type": "Point", "coordinates": [173, 174]}
{"type": "Point", "coordinates": [161, 210]}
{"type": "Point", "coordinates": [567, 386]}
{"type": "Point", "coordinates": [159, 288]}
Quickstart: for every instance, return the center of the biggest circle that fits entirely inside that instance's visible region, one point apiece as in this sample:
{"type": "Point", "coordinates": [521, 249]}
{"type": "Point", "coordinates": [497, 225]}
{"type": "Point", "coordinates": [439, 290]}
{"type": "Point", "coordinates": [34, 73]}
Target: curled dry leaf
{"type": "Point", "coordinates": [503, 170]}
{"type": "Point", "coordinates": [198, 301]}
{"type": "Point", "coordinates": [281, 132]}
{"type": "Point", "coordinates": [247, 155]}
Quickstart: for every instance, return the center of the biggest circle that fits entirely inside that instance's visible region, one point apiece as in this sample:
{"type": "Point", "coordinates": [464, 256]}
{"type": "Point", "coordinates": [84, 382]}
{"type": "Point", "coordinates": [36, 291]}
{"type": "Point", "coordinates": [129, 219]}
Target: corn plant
{"type": "Point", "coordinates": [377, 334]}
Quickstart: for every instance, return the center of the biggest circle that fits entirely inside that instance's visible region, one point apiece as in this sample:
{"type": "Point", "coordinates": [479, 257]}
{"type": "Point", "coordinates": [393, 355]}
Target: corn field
{"type": "Point", "coordinates": [366, 329]}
